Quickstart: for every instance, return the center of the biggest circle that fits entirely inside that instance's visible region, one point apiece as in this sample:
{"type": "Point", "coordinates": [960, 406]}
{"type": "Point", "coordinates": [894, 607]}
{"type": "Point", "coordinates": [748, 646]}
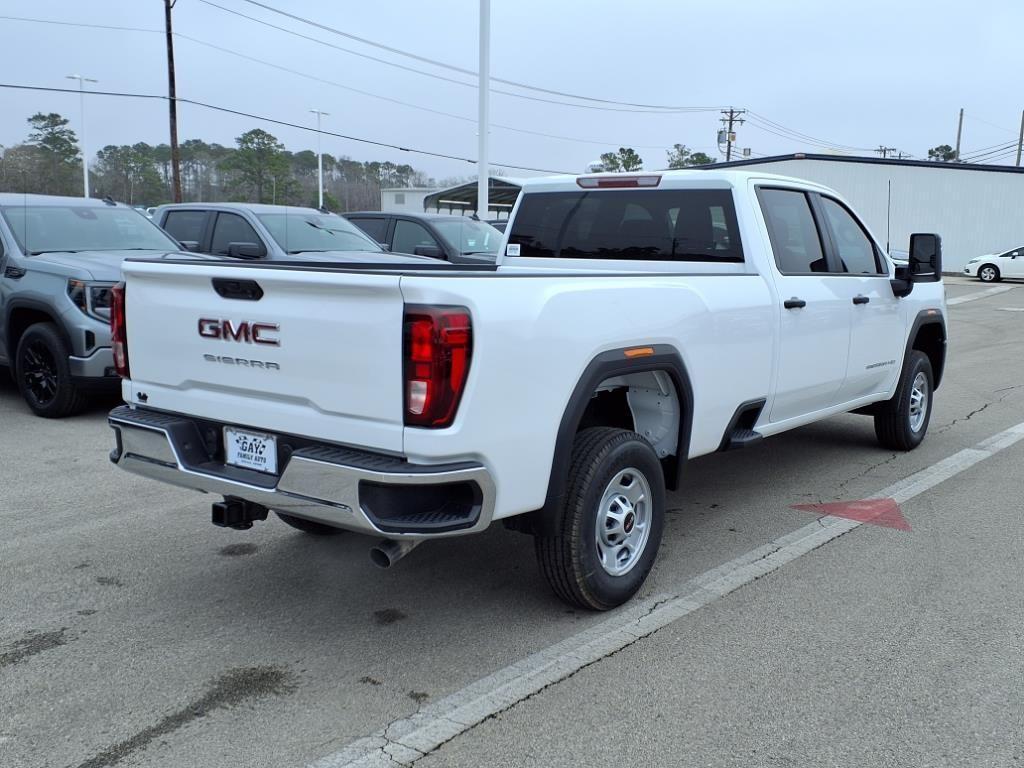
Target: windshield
{"type": "Point", "coordinates": [47, 228]}
{"type": "Point", "coordinates": [469, 236]}
{"type": "Point", "coordinates": [305, 232]}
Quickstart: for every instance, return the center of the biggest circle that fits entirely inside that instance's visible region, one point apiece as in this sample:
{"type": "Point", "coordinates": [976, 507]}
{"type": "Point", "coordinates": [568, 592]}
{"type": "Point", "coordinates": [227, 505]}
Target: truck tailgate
{"type": "Point", "coordinates": [335, 371]}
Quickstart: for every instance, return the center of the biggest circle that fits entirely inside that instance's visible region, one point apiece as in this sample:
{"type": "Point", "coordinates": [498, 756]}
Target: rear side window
{"type": "Point", "coordinates": [185, 225]}
{"type": "Point", "coordinates": [641, 224]}
{"type": "Point", "coordinates": [232, 228]}
{"type": "Point", "coordinates": [854, 247]}
{"type": "Point", "coordinates": [795, 239]}
{"type": "Point", "coordinates": [375, 228]}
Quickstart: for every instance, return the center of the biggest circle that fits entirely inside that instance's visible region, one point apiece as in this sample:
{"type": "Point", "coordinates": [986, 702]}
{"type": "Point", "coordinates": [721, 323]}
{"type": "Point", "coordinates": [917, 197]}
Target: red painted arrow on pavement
{"type": "Point", "coordinates": [884, 512]}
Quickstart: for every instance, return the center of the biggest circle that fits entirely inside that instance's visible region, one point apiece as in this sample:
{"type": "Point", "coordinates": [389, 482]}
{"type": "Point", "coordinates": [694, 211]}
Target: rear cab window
{"type": "Point", "coordinates": [628, 224]}
{"type": "Point", "coordinates": [185, 226]}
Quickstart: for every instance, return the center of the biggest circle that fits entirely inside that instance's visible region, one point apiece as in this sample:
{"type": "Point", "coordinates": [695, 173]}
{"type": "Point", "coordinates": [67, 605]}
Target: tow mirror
{"type": "Point", "coordinates": [924, 264]}
{"type": "Point", "coordinates": [925, 258]}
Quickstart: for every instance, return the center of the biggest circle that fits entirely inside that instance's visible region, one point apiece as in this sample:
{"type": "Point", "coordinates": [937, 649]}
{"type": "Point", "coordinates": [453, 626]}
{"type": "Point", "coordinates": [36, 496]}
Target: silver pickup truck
{"type": "Point", "coordinates": [59, 258]}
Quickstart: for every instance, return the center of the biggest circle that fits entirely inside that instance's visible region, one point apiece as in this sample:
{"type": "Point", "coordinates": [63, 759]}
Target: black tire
{"type": "Point", "coordinates": [895, 420]}
{"type": "Point", "coordinates": [989, 273]}
{"type": "Point", "coordinates": [43, 373]}
{"type": "Point", "coordinates": [570, 559]}
{"type": "Point", "coordinates": [308, 526]}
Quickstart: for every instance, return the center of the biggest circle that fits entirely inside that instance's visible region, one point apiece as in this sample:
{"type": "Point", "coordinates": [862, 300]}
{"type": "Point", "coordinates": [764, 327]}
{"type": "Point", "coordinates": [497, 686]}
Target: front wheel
{"type": "Point", "coordinates": [610, 521]}
{"type": "Point", "coordinates": [902, 422]}
{"type": "Point", "coordinates": [988, 274]}
{"type": "Point", "coordinates": [43, 373]}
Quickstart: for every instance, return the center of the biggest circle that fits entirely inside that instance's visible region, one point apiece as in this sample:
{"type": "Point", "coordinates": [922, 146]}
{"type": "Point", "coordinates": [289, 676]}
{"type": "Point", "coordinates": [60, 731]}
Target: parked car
{"type": "Point", "coordinates": [59, 258]}
{"type": "Point", "coordinates": [993, 267]}
{"type": "Point", "coordinates": [560, 390]}
{"type": "Point", "coordinates": [275, 232]}
{"type": "Point", "coordinates": [458, 239]}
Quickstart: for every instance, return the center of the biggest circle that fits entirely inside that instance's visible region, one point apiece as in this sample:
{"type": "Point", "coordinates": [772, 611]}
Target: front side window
{"type": "Point", "coordinates": [231, 228]}
{"type": "Point", "coordinates": [635, 224]}
{"type": "Point", "coordinates": [855, 250]}
{"type": "Point", "coordinates": [48, 228]}
{"type": "Point", "coordinates": [794, 235]}
{"type": "Point", "coordinates": [409, 236]}
{"type": "Point", "coordinates": [313, 233]}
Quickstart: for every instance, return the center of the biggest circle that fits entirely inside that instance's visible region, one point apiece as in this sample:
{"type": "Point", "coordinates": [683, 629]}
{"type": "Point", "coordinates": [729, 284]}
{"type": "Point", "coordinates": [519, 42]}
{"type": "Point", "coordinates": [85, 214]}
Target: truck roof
{"type": "Point", "coordinates": [16, 198]}
{"type": "Point", "coordinates": [254, 207]}
{"type": "Point", "coordinates": [734, 178]}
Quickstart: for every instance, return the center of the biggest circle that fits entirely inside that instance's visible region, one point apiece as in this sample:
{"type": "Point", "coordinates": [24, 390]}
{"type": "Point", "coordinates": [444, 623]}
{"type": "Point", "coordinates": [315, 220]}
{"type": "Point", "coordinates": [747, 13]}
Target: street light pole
{"type": "Point", "coordinates": [81, 106]}
{"type": "Point", "coordinates": [484, 88]}
{"type": "Point", "coordinates": [319, 155]}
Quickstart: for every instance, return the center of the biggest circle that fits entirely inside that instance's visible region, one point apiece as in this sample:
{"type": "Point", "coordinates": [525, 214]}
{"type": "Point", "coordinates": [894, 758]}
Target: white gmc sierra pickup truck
{"type": "Point", "coordinates": [631, 322]}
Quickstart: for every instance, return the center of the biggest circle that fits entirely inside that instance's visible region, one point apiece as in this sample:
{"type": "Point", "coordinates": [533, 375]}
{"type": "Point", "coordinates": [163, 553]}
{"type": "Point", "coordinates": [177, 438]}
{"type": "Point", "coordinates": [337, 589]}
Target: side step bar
{"type": "Point", "coordinates": [740, 433]}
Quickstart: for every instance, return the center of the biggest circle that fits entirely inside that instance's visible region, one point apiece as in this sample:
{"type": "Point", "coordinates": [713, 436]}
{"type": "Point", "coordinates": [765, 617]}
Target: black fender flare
{"type": "Point", "coordinates": [37, 306]}
{"type": "Point", "coordinates": [605, 366]}
{"type": "Point", "coordinates": [929, 317]}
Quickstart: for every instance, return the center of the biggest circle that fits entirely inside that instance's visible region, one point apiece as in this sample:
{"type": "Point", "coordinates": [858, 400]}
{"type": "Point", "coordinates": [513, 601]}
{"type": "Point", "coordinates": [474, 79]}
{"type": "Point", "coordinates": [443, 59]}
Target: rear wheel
{"type": "Point", "coordinates": [610, 523]}
{"type": "Point", "coordinates": [989, 273]}
{"type": "Point", "coordinates": [308, 526]}
{"type": "Point", "coordinates": [43, 373]}
{"type": "Point", "coordinates": [902, 422]}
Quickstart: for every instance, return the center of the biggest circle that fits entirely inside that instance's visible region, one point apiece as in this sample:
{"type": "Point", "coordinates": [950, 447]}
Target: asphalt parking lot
{"type": "Point", "coordinates": [134, 633]}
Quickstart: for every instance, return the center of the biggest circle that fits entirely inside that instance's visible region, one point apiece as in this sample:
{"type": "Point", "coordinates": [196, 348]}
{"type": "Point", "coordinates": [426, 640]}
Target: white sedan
{"type": "Point", "coordinates": [996, 266]}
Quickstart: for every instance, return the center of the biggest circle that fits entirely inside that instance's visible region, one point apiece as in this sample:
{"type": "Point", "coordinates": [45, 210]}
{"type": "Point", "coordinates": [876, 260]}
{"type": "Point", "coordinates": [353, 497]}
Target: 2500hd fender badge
{"type": "Point", "coordinates": [245, 331]}
{"type": "Point", "coordinates": [242, 362]}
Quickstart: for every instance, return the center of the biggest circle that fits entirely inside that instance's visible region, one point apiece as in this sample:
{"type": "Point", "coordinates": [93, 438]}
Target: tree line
{"type": "Point", "coordinates": [257, 169]}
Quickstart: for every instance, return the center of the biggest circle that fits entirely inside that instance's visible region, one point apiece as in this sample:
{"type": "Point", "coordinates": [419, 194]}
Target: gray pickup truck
{"type": "Point", "coordinates": [59, 257]}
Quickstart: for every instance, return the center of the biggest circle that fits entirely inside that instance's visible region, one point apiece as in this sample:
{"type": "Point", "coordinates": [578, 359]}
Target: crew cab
{"type": "Point", "coordinates": [631, 322]}
{"type": "Point", "coordinates": [261, 231]}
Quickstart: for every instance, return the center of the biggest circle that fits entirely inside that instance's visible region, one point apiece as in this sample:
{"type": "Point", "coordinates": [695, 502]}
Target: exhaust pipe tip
{"type": "Point", "coordinates": [389, 551]}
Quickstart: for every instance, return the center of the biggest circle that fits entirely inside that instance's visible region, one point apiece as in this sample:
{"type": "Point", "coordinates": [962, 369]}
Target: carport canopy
{"type": "Point", "coordinates": [463, 198]}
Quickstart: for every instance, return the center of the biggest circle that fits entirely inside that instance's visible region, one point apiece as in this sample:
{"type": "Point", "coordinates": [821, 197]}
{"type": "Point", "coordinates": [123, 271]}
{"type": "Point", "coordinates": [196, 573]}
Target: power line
{"type": "Point", "coordinates": [369, 94]}
{"type": "Point", "coordinates": [410, 105]}
{"type": "Point", "coordinates": [986, 122]}
{"type": "Point", "coordinates": [275, 121]}
{"type": "Point", "coordinates": [632, 106]}
{"type": "Point", "coordinates": [755, 117]}
{"type": "Point", "coordinates": [994, 149]}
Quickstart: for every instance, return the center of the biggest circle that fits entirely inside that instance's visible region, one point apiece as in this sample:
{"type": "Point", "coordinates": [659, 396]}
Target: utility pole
{"type": "Point", "coordinates": [731, 116]}
{"type": "Point", "coordinates": [959, 131]}
{"type": "Point", "coordinates": [319, 156]}
{"type": "Point", "coordinates": [884, 150]}
{"type": "Point", "coordinates": [483, 119]}
{"type": "Point", "coordinates": [81, 107]}
{"type": "Point", "coordinates": [172, 105]}
{"type": "Point", "coordinates": [1020, 140]}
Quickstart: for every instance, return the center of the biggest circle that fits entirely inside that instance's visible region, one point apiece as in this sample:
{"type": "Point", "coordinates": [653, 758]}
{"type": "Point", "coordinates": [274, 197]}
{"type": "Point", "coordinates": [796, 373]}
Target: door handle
{"type": "Point", "coordinates": [794, 303]}
{"type": "Point", "coordinates": [861, 299]}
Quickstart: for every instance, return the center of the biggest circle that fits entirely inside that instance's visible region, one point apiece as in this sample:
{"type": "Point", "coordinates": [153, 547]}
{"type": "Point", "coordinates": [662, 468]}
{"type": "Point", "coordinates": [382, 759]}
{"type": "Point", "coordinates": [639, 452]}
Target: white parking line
{"type": "Point", "coordinates": [406, 741]}
{"type": "Point", "coordinates": [979, 295]}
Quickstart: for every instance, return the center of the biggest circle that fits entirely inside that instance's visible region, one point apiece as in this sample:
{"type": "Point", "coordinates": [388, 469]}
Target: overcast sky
{"type": "Point", "coordinates": [854, 73]}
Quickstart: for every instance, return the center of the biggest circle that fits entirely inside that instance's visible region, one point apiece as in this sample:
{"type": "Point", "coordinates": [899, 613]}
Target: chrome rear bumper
{"type": "Point", "coordinates": [319, 482]}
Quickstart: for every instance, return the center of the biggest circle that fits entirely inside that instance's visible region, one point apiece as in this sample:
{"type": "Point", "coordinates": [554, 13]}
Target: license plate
{"type": "Point", "coordinates": [251, 450]}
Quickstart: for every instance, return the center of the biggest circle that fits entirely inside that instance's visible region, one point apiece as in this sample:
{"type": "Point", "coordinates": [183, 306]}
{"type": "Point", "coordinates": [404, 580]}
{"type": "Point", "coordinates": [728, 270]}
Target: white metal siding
{"type": "Point", "coordinates": [975, 212]}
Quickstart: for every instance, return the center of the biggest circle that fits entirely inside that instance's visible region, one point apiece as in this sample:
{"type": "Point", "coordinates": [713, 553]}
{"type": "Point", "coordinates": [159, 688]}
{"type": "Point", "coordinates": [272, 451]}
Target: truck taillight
{"type": "Point", "coordinates": [119, 331]}
{"type": "Point", "coordinates": [437, 345]}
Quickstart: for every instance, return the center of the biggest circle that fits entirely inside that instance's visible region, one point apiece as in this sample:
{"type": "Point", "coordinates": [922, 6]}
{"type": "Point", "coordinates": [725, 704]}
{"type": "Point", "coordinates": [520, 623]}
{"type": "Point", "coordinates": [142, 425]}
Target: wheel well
{"type": "Point", "coordinates": [646, 403]}
{"type": "Point", "coordinates": [931, 340]}
{"type": "Point", "coordinates": [19, 321]}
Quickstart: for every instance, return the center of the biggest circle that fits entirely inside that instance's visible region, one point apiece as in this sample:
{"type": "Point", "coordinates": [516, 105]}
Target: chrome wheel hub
{"type": "Point", "coordinates": [623, 522]}
{"type": "Point", "coordinates": [918, 402]}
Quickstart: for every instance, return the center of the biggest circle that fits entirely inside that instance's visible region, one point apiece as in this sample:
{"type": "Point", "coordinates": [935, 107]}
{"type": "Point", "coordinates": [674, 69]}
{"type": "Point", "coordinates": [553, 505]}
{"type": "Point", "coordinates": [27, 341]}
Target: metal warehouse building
{"type": "Point", "coordinates": [977, 209]}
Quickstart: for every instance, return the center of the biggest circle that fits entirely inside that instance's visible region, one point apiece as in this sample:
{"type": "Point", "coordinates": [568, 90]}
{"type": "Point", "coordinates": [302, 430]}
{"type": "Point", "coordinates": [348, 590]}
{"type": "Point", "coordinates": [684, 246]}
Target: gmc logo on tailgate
{"type": "Point", "coordinates": [247, 331]}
